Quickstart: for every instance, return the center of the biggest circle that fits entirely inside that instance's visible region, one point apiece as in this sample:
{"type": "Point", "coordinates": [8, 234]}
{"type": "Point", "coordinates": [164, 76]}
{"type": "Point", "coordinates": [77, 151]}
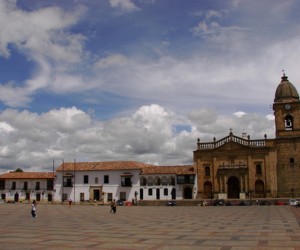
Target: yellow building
{"type": "Point", "coordinates": [238, 167]}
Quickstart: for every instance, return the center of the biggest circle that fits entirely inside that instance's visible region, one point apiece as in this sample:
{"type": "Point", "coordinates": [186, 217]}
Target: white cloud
{"type": "Point", "coordinates": [124, 5]}
{"type": "Point", "coordinates": [33, 140]}
{"type": "Point", "coordinates": [112, 60]}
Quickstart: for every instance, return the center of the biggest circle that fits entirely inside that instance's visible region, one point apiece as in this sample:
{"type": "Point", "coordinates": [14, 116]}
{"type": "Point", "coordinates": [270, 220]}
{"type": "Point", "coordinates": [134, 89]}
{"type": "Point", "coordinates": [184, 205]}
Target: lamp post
{"type": "Point", "coordinates": [211, 196]}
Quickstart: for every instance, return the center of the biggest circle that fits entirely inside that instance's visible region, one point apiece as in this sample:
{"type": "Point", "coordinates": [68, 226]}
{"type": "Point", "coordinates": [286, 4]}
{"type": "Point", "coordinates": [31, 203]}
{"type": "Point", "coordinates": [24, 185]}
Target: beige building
{"type": "Point", "coordinates": [238, 167]}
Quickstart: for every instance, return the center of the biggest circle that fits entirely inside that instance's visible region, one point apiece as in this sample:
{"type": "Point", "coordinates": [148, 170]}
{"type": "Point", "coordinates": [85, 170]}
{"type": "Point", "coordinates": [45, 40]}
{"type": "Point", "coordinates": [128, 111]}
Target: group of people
{"type": "Point", "coordinates": [113, 207]}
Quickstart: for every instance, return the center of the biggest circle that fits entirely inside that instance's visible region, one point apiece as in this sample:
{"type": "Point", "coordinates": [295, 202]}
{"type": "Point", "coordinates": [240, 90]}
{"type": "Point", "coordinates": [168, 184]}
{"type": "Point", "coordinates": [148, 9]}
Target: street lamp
{"type": "Point", "coordinates": [211, 196]}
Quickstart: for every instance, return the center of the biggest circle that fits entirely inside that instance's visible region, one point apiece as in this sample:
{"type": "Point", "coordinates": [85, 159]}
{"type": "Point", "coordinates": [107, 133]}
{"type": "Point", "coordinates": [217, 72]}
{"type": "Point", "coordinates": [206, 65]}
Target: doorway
{"type": "Point", "coordinates": [188, 193]}
{"type": "Point", "coordinates": [96, 194]}
{"type": "Point", "coordinates": [233, 188]}
{"type": "Point", "coordinates": [157, 193]}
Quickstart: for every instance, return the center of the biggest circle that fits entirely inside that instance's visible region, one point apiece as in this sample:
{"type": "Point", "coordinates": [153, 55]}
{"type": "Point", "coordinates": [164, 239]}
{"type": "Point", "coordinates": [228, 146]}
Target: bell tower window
{"type": "Point", "coordinates": [288, 122]}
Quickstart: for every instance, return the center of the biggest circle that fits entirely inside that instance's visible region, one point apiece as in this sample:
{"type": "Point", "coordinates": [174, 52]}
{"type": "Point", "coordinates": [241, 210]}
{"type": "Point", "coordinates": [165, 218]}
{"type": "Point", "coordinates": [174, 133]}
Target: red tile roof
{"type": "Point", "coordinates": [126, 165]}
{"type": "Point", "coordinates": [27, 175]}
{"type": "Point", "coordinates": [181, 169]}
{"type": "Point", "coordinates": [102, 166]}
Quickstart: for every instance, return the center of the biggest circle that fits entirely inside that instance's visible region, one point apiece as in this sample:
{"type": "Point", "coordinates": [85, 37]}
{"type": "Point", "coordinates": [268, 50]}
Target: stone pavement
{"type": "Point", "coordinates": [191, 227]}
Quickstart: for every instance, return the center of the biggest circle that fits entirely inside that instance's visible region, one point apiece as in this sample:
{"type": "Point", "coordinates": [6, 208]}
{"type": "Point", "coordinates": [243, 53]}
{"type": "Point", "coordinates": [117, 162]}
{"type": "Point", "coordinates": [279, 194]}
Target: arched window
{"type": "Point", "coordinates": [207, 171]}
{"type": "Point", "coordinates": [150, 181]}
{"type": "Point", "coordinates": [172, 181]}
{"type": "Point", "coordinates": [157, 181]}
{"type": "Point", "coordinates": [288, 122]}
{"type": "Point", "coordinates": [166, 192]}
{"type": "Point", "coordinates": [143, 181]}
{"type": "Point", "coordinates": [258, 169]}
{"type": "Point", "coordinates": [164, 181]}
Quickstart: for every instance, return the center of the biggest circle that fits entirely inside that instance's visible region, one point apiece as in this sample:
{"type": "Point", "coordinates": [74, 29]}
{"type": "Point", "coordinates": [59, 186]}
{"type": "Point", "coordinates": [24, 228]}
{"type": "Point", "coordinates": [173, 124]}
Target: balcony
{"type": "Point", "coordinates": [68, 184]}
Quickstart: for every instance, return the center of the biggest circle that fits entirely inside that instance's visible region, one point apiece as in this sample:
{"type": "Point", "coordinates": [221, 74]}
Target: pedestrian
{"type": "Point", "coordinates": [113, 206]}
{"type": "Point", "coordinates": [257, 203]}
{"type": "Point", "coordinates": [70, 202]}
{"type": "Point", "coordinates": [33, 209]}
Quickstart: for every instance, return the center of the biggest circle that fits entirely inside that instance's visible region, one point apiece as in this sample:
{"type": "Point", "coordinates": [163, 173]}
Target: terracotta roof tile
{"type": "Point", "coordinates": [181, 169]}
{"type": "Point", "coordinates": [27, 175]}
{"type": "Point", "coordinates": [102, 166]}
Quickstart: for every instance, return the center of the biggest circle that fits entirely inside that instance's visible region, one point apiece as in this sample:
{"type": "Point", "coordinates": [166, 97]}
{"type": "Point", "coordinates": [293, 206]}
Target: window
{"type": "Point", "coordinates": [49, 184]}
{"type": "Point", "coordinates": [185, 179]}
{"type": "Point", "coordinates": [13, 186]}
{"type": "Point", "coordinates": [109, 196]}
{"type": "Point", "coordinates": [25, 185]}
{"type": "Point", "coordinates": [2, 184]}
{"type": "Point", "coordinates": [150, 193]}
{"type": "Point", "coordinates": [166, 192]}
{"type": "Point", "coordinates": [68, 182]}
{"type": "Point", "coordinates": [85, 179]}
{"type": "Point", "coordinates": [157, 181]}
{"type": "Point", "coordinates": [37, 185]}
{"type": "Point", "coordinates": [164, 181]}
{"type": "Point", "coordinates": [126, 181]}
{"type": "Point", "coordinates": [150, 181]}
{"type": "Point", "coordinates": [106, 179]}
{"type": "Point", "coordinates": [172, 181]}
{"type": "Point", "coordinates": [258, 169]}
{"type": "Point", "coordinates": [207, 171]}
{"type": "Point", "coordinates": [143, 181]}
{"type": "Point", "coordinates": [96, 180]}
{"type": "Point", "coordinates": [292, 160]}
{"type": "Point", "coordinates": [123, 196]}
{"type": "Point", "coordinates": [288, 122]}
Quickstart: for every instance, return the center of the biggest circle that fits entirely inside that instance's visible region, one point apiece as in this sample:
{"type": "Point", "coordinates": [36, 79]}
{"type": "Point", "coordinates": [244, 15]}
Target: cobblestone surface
{"type": "Point", "coordinates": [93, 227]}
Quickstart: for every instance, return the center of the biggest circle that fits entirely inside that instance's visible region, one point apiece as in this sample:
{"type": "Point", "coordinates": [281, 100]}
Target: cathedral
{"type": "Point", "coordinates": [237, 167]}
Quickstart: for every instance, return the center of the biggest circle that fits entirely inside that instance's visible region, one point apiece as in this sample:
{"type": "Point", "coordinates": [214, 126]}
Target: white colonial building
{"type": "Point", "coordinates": [101, 182]}
{"type": "Point", "coordinates": [123, 180]}
{"type": "Point", "coordinates": [27, 186]}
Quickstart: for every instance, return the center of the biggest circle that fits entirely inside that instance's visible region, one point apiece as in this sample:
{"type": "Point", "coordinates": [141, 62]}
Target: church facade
{"type": "Point", "coordinates": [237, 167]}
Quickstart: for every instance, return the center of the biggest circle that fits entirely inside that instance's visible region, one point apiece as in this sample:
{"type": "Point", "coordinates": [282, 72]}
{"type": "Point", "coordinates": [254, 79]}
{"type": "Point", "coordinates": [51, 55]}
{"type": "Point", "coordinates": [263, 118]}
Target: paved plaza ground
{"type": "Point", "coordinates": [153, 227]}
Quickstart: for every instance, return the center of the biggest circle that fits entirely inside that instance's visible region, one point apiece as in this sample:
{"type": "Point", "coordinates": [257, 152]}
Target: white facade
{"type": "Point", "coordinates": [20, 190]}
{"type": "Point", "coordinates": [102, 186]}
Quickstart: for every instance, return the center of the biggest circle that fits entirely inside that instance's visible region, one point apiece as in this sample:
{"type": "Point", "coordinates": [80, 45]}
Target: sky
{"type": "Point", "coordinates": [141, 80]}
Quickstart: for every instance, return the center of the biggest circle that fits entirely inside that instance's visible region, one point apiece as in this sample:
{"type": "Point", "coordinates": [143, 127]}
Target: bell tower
{"type": "Point", "coordinates": [287, 124]}
{"type": "Point", "coordinates": [286, 110]}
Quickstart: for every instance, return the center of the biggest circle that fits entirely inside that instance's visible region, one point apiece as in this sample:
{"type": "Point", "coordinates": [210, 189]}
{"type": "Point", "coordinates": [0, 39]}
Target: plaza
{"type": "Point", "coordinates": [149, 227]}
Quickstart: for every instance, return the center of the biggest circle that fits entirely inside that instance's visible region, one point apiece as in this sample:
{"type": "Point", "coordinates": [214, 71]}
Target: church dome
{"type": "Point", "coordinates": [286, 91]}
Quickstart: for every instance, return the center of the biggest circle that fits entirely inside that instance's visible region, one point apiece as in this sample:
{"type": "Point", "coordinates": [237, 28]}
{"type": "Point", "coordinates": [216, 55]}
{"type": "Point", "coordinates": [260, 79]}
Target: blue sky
{"type": "Point", "coordinates": [138, 79]}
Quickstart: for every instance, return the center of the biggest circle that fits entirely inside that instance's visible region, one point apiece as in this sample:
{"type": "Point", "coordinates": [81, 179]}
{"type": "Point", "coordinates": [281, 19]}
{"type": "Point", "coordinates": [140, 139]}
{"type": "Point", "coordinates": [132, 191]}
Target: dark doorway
{"type": "Point", "coordinates": [141, 194]}
{"type": "Point", "coordinates": [16, 197]}
{"type": "Point", "coordinates": [233, 188]}
{"type": "Point", "coordinates": [28, 196]}
{"type": "Point", "coordinates": [49, 197]}
{"type": "Point", "coordinates": [173, 193]}
{"type": "Point", "coordinates": [97, 195]}
{"type": "Point", "coordinates": [188, 193]}
{"type": "Point", "coordinates": [38, 197]}
{"type": "Point", "coordinates": [157, 193]}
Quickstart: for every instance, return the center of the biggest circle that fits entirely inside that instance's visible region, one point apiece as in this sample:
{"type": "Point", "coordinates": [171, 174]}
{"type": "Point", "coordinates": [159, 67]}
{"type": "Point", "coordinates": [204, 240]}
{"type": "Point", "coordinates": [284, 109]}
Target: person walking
{"type": "Point", "coordinates": [33, 209]}
{"type": "Point", "coordinates": [113, 206]}
{"type": "Point", "coordinates": [70, 202]}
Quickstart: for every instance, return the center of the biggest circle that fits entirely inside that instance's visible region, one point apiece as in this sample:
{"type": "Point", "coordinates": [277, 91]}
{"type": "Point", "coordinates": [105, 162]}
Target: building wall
{"type": "Point", "coordinates": [85, 192]}
{"type": "Point", "coordinates": [31, 193]}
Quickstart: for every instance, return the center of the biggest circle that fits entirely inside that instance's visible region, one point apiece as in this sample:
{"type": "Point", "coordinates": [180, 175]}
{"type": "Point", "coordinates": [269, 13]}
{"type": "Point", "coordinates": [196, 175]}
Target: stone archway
{"type": "Point", "coordinates": [233, 187]}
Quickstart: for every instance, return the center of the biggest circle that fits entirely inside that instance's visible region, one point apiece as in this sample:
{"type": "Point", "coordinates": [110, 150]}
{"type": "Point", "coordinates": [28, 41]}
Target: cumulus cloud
{"type": "Point", "coordinates": [32, 141]}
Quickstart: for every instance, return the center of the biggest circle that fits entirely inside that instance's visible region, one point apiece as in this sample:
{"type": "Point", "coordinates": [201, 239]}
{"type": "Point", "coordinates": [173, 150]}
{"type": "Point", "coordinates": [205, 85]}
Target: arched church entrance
{"type": "Point", "coordinates": [233, 188]}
